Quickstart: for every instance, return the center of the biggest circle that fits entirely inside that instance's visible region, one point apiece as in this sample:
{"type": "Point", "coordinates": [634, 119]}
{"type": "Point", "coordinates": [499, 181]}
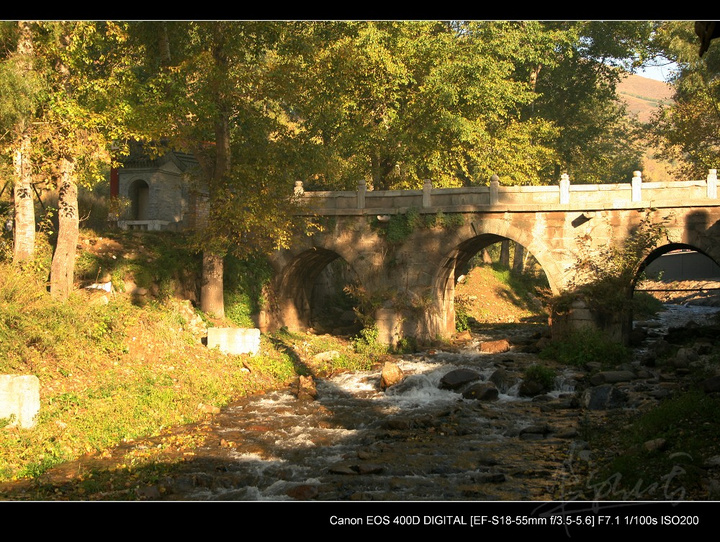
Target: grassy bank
{"type": "Point", "coordinates": [112, 369]}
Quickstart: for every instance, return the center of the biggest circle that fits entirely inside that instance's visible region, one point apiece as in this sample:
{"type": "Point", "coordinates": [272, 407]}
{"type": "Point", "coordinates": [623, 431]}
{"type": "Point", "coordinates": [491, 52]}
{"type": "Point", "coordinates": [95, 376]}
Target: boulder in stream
{"type": "Point", "coordinates": [458, 378]}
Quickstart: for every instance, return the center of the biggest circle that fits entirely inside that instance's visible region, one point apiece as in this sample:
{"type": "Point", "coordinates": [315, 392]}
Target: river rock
{"type": "Point", "coordinates": [531, 388]}
{"type": "Point", "coordinates": [325, 357]}
{"type": "Point", "coordinates": [306, 388]}
{"type": "Point", "coordinates": [610, 377]}
{"type": "Point", "coordinates": [603, 397]}
{"type": "Point", "coordinates": [494, 347]}
{"type": "Point", "coordinates": [303, 492]}
{"type": "Point", "coordinates": [482, 391]}
{"type": "Point", "coordinates": [711, 385]}
{"type": "Point", "coordinates": [391, 374]}
{"type": "Point", "coordinates": [502, 380]}
{"type": "Point", "coordinates": [655, 445]}
{"type": "Point", "coordinates": [458, 378]}
{"type": "Point", "coordinates": [535, 432]}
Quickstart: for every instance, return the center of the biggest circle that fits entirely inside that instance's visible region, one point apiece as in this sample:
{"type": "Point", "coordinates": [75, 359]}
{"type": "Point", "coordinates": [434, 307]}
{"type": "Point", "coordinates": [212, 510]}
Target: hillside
{"type": "Point", "coordinates": [489, 294]}
{"type": "Point", "coordinates": [643, 96]}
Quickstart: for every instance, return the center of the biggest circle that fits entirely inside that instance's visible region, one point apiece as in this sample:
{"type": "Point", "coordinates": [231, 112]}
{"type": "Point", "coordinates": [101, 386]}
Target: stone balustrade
{"type": "Point", "coordinates": [494, 197]}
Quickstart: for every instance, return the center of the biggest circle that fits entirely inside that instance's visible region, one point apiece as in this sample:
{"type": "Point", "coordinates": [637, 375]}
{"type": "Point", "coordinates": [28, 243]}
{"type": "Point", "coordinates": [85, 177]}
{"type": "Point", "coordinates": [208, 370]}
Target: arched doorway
{"type": "Point", "coordinates": [139, 195]}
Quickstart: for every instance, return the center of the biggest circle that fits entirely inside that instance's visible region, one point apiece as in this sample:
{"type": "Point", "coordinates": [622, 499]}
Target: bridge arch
{"type": "Point", "coordinates": [478, 236]}
{"type": "Point", "coordinates": [684, 262]}
{"type": "Point", "coordinates": [294, 287]}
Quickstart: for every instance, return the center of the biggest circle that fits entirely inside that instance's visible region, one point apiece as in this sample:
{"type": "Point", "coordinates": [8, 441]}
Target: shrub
{"type": "Point", "coordinates": [585, 346]}
{"type": "Point", "coordinates": [645, 305]}
{"type": "Point", "coordinates": [542, 375]}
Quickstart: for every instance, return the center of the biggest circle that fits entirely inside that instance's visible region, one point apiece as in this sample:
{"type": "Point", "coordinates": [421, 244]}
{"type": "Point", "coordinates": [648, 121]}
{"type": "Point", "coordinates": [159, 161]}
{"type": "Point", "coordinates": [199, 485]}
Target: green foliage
{"type": "Point", "coordinates": [462, 314]}
{"type": "Point", "coordinates": [401, 225]}
{"type": "Point", "coordinates": [448, 221]}
{"type": "Point", "coordinates": [646, 305]}
{"type": "Point", "coordinates": [98, 388]}
{"type": "Point", "coordinates": [20, 91]}
{"type": "Point", "coordinates": [397, 102]}
{"type": "Point", "coordinates": [406, 345]}
{"type": "Point", "coordinates": [540, 374]}
{"type": "Point", "coordinates": [367, 342]}
{"type": "Point", "coordinates": [585, 346]}
{"type": "Point", "coordinates": [685, 131]}
{"type": "Point", "coordinates": [244, 281]}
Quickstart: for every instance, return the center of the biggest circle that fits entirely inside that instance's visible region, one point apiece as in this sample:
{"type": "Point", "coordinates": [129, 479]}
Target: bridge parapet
{"type": "Point", "coordinates": [564, 196]}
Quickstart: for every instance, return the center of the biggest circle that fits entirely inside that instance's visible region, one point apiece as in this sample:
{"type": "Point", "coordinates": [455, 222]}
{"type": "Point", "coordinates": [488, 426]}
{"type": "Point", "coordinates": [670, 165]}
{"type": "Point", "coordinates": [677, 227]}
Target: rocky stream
{"type": "Point", "coordinates": [453, 425]}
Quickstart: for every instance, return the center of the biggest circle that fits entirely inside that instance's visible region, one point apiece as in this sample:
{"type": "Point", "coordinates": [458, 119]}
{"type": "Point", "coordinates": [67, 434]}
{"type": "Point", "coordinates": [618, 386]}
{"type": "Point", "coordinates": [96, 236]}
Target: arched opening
{"type": "Point", "coordinates": [678, 272]}
{"type": "Point", "coordinates": [139, 194]}
{"type": "Point", "coordinates": [490, 279]}
{"type": "Point", "coordinates": [315, 291]}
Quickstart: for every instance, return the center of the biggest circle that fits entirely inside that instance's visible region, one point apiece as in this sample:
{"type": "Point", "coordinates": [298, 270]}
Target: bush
{"type": "Point", "coordinates": [367, 342]}
{"type": "Point", "coordinates": [586, 346]}
{"type": "Point", "coordinates": [645, 305]}
{"type": "Point", "coordinates": [542, 375]}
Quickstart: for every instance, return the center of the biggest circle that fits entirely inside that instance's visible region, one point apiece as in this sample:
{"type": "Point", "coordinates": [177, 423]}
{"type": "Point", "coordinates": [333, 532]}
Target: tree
{"type": "Point", "coordinates": [687, 131]}
{"type": "Point", "coordinates": [595, 141]}
{"type": "Point", "coordinates": [87, 78]}
{"type": "Point", "coordinates": [20, 92]}
{"type": "Point", "coordinates": [205, 82]}
{"type": "Point", "coordinates": [398, 102]}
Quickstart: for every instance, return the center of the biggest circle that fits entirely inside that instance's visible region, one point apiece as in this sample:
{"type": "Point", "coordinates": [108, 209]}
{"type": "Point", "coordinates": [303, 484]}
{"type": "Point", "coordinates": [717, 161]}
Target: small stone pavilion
{"type": "Point", "coordinates": [157, 194]}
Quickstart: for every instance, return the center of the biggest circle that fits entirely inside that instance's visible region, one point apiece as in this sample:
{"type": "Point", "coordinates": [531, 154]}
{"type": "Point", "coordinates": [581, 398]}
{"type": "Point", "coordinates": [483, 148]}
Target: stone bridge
{"type": "Point", "coordinates": [409, 280]}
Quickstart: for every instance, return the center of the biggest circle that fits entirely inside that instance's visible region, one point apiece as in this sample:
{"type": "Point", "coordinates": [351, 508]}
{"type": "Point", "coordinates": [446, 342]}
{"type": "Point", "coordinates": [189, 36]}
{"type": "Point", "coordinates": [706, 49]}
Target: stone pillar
{"type": "Point", "coordinates": [494, 188]}
{"type": "Point", "coordinates": [427, 194]}
{"type": "Point", "coordinates": [637, 186]}
{"type": "Point", "coordinates": [362, 189]}
{"type": "Point", "coordinates": [19, 399]}
{"type": "Point", "coordinates": [712, 184]}
{"type": "Point", "coordinates": [234, 341]}
{"type": "Point", "coordinates": [387, 322]}
{"type": "Point", "coordinates": [298, 190]}
{"type": "Point", "coordinates": [564, 189]}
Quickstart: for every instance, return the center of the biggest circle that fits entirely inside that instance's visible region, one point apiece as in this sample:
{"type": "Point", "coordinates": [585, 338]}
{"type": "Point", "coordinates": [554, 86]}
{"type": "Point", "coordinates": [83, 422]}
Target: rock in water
{"type": "Point", "coordinates": [306, 388]}
{"type": "Point", "coordinates": [458, 378]}
{"type": "Point", "coordinates": [495, 347]}
{"type": "Point", "coordinates": [391, 375]}
{"type": "Point", "coordinates": [482, 391]}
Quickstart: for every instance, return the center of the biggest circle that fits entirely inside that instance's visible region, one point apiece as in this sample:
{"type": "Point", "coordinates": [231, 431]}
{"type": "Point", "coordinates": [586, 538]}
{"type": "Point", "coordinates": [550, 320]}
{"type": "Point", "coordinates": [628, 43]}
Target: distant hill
{"type": "Point", "coordinates": [644, 95]}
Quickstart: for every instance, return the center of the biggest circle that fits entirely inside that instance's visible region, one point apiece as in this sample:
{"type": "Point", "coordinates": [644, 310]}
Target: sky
{"type": "Point", "coordinates": [659, 73]}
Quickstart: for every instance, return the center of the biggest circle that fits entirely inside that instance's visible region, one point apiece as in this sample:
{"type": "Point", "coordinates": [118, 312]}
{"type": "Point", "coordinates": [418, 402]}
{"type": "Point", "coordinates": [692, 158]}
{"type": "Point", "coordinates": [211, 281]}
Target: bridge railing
{"type": "Point", "coordinates": [496, 198]}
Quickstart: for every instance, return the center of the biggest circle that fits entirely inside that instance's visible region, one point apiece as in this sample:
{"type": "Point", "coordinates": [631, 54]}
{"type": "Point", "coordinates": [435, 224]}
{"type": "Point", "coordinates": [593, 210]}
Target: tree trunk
{"type": "Point", "coordinates": [24, 230]}
{"type": "Point", "coordinates": [519, 258]}
{"type": "Point", "coordinates": [211, 291]}
{"type": "Point", "coordinates": [63, 263]}
{"type": "Point", "coordinates": [505, 253]}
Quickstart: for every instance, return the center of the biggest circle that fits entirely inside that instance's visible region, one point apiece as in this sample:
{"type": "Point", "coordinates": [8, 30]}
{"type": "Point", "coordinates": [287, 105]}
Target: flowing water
{"type": "Point", "coordinates": [413, 441]}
